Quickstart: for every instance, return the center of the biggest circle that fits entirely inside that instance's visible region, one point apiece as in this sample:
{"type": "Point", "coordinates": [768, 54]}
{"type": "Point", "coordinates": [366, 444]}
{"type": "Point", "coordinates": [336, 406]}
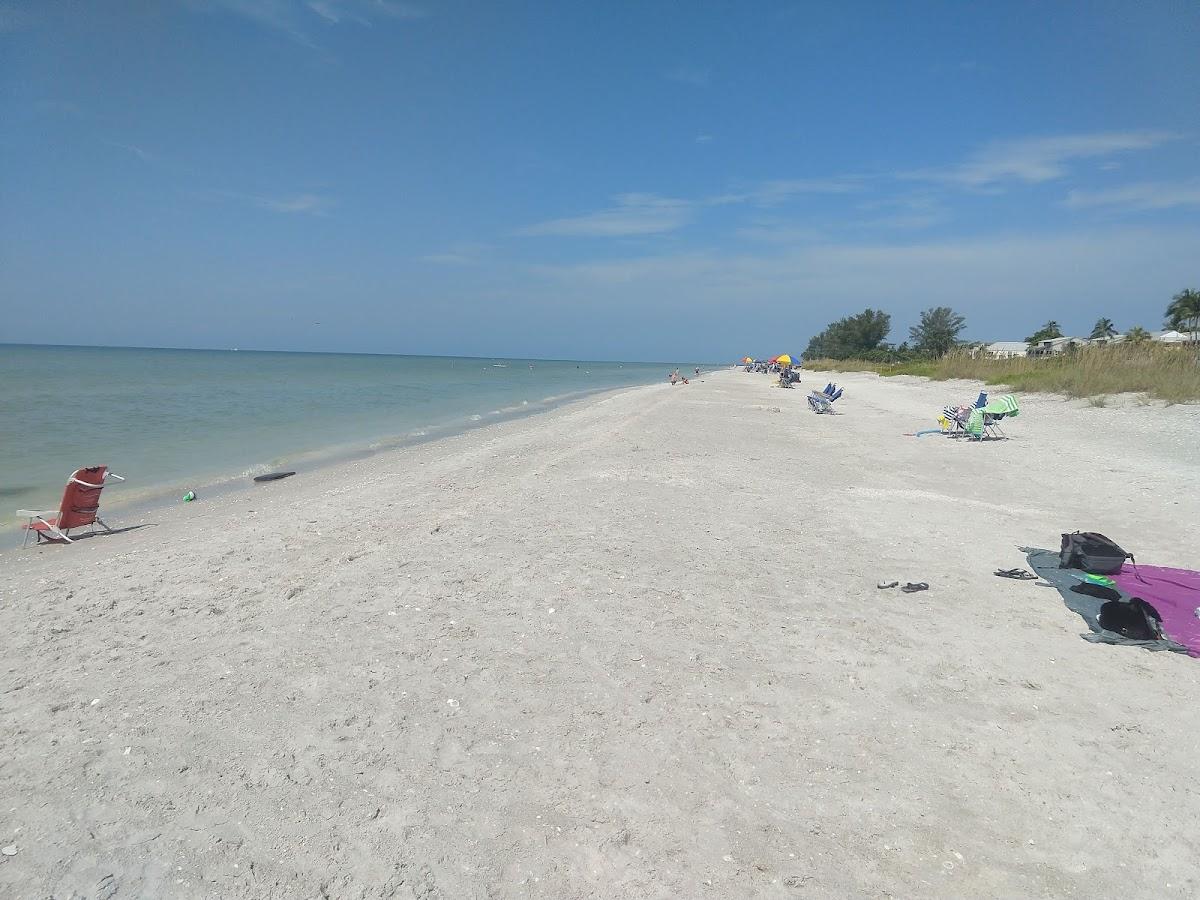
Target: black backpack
{"type": "Point", "coordinates": [1091, 552]}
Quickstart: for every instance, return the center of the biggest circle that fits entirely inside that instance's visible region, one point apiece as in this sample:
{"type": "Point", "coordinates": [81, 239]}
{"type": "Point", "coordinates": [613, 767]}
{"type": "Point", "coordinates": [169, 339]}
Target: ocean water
{"type": "Point", "coordinates": [173, 420]}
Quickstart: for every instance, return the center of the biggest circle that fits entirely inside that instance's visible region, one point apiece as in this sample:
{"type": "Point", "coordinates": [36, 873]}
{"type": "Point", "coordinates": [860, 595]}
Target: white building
{"type": "Point", "coordinates": [1057, 346]}
{"type": "Point", "coordinates": [1169, 337]}
{"type": "Point", "coordinates": [1006, 350]}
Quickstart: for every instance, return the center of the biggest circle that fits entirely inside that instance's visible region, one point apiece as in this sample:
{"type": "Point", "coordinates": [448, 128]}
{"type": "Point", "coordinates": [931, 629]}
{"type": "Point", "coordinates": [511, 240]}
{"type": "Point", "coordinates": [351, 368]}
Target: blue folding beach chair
{"type": "Point", "coordinates": [822, 401]}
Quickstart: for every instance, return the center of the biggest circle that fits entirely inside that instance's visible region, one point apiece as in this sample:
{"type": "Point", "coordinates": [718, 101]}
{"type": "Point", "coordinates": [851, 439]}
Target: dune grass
{"type": "Point", "coordinates": [1170, 373]}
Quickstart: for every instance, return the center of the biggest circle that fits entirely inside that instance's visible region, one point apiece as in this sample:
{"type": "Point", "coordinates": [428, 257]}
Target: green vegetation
{"type": "Point", "coordinates": [1137, 365]}
{"type": "Point", "coordinates": [856, 336]}
{"type": "Point", "coordinates": [938, 332]}
{"type": "Point", "coordinates": [1183, 315]}
{"type": "Point", "coordinates": [1047, 332]}
{"type": "Point", "coordinates": [1162, 372]}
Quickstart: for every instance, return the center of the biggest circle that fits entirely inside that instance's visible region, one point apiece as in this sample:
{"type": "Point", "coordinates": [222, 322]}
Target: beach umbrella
{"type": "Point", "coordinates": [783, 359]}
{"type": "Point", "coordinates": [773, 359]}
{"type": "Point", "coordinates": [747, 360]}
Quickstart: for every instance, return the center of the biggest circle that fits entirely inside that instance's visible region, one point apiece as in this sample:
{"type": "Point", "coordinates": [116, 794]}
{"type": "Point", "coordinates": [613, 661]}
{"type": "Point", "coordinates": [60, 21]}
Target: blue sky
{"type": "Point", "coordinates": [592, 180]}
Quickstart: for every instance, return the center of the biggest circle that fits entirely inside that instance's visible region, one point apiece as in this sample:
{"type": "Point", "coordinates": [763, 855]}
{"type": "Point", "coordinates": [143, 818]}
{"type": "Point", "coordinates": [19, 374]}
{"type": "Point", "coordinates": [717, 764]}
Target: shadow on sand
{"type": "Point", "coordinates": [86, 535]}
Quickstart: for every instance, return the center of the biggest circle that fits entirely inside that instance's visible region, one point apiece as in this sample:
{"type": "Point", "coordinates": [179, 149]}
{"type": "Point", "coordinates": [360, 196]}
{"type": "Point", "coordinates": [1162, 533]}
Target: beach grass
{"type": "Point", "coordinates": [1170, 373]}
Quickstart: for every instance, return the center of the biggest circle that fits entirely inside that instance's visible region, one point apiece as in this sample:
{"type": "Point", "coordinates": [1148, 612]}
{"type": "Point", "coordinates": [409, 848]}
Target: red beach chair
{"type": "Point", "coordinates": [79, 507]}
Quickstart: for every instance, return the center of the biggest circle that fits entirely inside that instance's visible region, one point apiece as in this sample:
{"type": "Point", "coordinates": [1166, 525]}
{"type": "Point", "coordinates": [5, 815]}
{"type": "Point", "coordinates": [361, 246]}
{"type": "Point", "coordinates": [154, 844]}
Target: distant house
{"type": "Point", "coordinates": [1057, 346]}
{"type": "Point", "coordinates": [1108, 339]}
{"type": "Point", "coordinates": [1005, 350]}
{"type": "Point", "coordinates": [1169, 337]}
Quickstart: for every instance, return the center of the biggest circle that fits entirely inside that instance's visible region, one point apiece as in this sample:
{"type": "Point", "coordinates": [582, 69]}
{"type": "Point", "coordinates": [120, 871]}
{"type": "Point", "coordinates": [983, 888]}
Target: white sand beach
{"type": "Point", "coordinates": [631, 648]}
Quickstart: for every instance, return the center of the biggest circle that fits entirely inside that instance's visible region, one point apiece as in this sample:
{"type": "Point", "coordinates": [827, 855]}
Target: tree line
{"type": "Point", "coordinates": [864, 336]}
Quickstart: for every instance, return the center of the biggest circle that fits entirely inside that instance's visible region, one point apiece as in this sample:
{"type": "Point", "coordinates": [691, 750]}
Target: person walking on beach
{"type": "Point", "coordinates": [674, 375]}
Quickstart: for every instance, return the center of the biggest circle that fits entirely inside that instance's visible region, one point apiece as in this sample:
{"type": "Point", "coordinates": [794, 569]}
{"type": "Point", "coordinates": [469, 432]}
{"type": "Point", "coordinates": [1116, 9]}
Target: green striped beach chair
{"type": "Point", "coordinates": [984, 421]}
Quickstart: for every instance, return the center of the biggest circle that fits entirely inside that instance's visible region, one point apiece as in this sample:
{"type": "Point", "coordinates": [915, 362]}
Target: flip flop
{"type": "Point", "coordinates": [911, 588]}
{"type": "Point", "coordinates": [884, 585]}
{"type": "Point", "coordinates": [1018, 574]}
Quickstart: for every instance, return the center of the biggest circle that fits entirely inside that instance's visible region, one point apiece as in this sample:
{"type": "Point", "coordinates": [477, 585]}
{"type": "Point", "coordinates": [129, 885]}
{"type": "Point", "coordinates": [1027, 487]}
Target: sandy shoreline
{"type": "Point", "coordinates": [138, 502]}
{"type": "Point", "coordinates": [628, 648]}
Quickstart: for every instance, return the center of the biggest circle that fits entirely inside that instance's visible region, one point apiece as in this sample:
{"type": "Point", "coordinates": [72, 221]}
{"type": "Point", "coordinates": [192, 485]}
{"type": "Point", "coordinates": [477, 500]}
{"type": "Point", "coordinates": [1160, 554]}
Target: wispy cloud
{"type": "Point", "coordinates": [1147, 195]}
{"type": "Point", "coordinates": [773, 193]}
{"type": "Point", "coordinates": [904, 212]}
{"type": "Point", "coordinates": [782, 233]}
{"type": "Point", "coordinates": [633, 214]}
{"type": "Point", "coordinates": [13, 18]}
{"type": "Point", "coordinates": [464, 254]}
{"type": "Point", "coordinates": [295, 18]}
{"type": "Point", "coordinates": [1039, 159]}
{"type": "Point", "coordinates": [287, 204]}
{"type": "Point", "coordinates": [692, 75]}
{"type": "Point", "coordinates": [704, 138]}
{"type": "Point", "coordinates": [911, 221]}
{"type": "Point", "coordinates": [133, 149]}
{"type": "Point", "coordinates": [1013, 278]}
{"type": "Point", "coordinates": [642, 214]}
{"type": "Point", "coordinates": [359, 11]}
{"type": "Point", "coordinates": [959, 67]}
{"type": "Point", "coordinates": [305, 204]}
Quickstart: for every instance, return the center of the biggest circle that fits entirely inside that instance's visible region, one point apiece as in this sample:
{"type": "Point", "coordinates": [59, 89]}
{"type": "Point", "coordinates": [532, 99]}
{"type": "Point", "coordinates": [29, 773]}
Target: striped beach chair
{"type": "Point", "coordinates": [984, 421]}
{"type": "Point", "coordinates": [955, 420]}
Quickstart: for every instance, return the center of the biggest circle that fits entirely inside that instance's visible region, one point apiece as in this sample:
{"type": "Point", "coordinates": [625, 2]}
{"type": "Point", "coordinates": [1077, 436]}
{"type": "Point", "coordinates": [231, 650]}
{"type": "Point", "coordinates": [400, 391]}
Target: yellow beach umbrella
{"type": "Point", "coordinates": [747, 360]}
{"type": "Point", "coordinates": [784, 360]}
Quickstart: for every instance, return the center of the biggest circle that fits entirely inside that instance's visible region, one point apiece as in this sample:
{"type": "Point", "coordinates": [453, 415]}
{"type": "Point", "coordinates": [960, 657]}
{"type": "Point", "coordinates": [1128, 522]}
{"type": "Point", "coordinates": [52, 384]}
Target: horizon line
{"type": "Point", "coordinates": [547, 359]}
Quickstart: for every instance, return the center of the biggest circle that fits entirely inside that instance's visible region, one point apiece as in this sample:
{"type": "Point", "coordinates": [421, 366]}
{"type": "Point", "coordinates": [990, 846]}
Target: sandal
{"type": "Point", "coordinates": [911, 588]}
{"type": "Point", "coordinates": [884, 585]}
{"type": "Point", "coordinates": [1018, 574]}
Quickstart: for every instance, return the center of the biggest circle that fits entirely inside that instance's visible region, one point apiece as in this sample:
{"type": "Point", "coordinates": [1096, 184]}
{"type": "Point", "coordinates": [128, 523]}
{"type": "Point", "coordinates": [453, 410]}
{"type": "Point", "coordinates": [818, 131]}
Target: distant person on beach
{"type": "Point", "coordinates": [674, 375]}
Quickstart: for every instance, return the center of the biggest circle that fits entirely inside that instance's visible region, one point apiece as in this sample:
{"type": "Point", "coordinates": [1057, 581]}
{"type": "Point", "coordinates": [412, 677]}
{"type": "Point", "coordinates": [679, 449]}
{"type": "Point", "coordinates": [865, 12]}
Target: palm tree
{"type": "Point", "coordinates": [1045, 333]}
{"type": "Point", "coordinates": [1137, 335]}
{"type": "Point", "coordinates": [1184, 312]}
{"type": "Point", "coordinates": [1104, 328]}
{"type": "Point", "coordinates": [938, 331]}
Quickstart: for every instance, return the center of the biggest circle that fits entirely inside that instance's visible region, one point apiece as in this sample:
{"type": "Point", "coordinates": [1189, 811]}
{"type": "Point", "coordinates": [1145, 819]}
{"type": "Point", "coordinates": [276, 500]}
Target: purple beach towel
{"type": "Point", "coordinates": [1174, 594]}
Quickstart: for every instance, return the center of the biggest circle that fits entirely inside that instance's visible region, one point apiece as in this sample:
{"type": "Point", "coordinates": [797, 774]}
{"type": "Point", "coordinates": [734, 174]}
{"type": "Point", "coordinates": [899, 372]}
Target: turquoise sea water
{"type": "Point", "coordinates": [170, 420]}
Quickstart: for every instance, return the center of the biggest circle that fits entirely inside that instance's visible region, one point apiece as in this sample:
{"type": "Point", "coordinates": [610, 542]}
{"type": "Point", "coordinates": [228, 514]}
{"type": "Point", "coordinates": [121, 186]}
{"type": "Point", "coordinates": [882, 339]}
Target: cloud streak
{"type": "Point", "coordinates": [633, 214]}
{"type": "Point", "coordinates": [289, 204]}
{"type": "Point", "coordinates": [689, 75]}
{"type": "Point", "coordinates": [1012, 278]}
{"type": "Point", "coordinates": [13, 18]}
{"type": "Point", "coordinates": [294, 18]}
{"type": "Point", "coordinates": [1148, 195]}
{"type": "Point", "coordinates": [644, 214]}
{"type": "Point", "coordinates": [1039, 159]}
{"type": "Point", "coordinates": [133, 149]}
{"type": "Point", "coordinates": [777, 192]}
{"type": "Point", "coordinates": [458, 255]}
{"type": "Point", "coordinates": [302, 204]}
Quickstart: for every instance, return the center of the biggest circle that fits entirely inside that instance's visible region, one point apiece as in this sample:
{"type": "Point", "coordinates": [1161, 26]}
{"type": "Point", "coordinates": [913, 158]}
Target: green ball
{"type": "Point", "coordinates": [189, 496]}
